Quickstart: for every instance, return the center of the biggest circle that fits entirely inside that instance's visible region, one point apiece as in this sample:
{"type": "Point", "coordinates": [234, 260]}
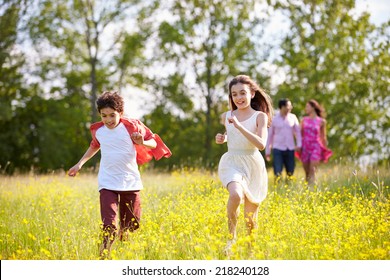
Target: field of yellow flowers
{"type": "Point", "coordinates": [346, 216]}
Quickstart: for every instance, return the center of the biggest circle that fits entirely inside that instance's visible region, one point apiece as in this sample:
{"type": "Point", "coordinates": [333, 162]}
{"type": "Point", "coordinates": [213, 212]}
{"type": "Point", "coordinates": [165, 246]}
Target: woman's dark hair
{"type": "Point", "coordinates": [110, 99]}
{"type": "Point", "coordinates": [260, 102]}
{"type": "Point", "coordinates": [320, 111]}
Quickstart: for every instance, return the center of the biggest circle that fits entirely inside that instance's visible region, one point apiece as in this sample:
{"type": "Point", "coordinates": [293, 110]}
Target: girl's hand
{"type": "Point", "coordinates": [138, 138]}
{"type": "Point", "coordinates": [234, 121]}
{"type": "Point", "coordinates": [220, 138]}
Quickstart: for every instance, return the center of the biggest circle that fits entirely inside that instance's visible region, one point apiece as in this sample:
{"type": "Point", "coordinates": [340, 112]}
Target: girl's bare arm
{"type": "Point", "coordinates": [323, 133]}
{"type": "Point", "coordinates": [259, 139]}
{"type": "Point", "coordinates": [221, 138]}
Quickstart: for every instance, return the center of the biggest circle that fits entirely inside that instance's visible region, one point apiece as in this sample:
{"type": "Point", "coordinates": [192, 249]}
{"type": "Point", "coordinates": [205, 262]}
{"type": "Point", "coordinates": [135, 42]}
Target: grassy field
{"type": "Point", "coordinates": [346, 216]}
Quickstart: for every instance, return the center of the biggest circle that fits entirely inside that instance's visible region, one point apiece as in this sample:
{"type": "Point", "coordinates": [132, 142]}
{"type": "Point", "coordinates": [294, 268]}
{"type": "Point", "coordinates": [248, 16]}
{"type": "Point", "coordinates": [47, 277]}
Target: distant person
{"type": "Point", "coordinates": [284, 138]}
{"type": "Point", "coordinates": [314, 141]}
{"type": "Point", "coordinates": [242, 169]}
{"type": "Point", "coordinates": [124, 144]}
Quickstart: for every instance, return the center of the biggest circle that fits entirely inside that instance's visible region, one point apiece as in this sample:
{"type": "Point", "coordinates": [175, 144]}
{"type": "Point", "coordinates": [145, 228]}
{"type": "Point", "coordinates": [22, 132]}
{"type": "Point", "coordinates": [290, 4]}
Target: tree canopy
{"type": "Point", "coordinates": [57, 56]}
{"type": "Point", "coordinates": [342, 61]}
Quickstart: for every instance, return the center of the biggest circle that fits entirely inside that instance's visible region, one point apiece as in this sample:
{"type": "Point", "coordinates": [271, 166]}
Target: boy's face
{"type": "Point", "coordinates": [110, 117]}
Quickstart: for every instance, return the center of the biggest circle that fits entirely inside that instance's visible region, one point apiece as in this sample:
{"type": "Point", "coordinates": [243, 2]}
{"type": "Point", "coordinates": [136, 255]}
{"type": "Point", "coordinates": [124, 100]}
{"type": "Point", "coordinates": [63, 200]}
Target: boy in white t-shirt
{"type": "Point", "coordinates": [124, 144]}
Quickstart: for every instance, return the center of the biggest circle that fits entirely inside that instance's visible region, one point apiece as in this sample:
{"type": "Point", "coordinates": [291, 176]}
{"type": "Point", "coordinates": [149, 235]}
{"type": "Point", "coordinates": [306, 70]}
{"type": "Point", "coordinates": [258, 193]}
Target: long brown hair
{"type": "Point", "coordinates": [260, 102]}
{"type": "Point", "coordinates": [320, 111]}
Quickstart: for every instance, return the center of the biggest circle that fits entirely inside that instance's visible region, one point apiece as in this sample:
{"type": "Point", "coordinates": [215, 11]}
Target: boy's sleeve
{"type": "Point", "coordinates": [145, 154]}
{"type": "Point", "coordinates": [93, 128]}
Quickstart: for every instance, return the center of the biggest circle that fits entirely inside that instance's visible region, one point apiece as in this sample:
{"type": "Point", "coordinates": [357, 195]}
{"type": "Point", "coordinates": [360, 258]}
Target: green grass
{"type": "Point", "coordinates": [345, 216]}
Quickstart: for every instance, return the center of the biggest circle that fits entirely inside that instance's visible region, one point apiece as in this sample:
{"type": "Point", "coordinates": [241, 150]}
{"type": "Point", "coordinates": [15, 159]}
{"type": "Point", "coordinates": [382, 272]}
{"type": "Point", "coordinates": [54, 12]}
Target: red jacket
{"type": "Point", "coordinates": [144, 154]}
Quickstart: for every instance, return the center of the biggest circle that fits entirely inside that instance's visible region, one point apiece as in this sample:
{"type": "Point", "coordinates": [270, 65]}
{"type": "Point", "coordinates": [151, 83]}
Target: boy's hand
{"type": "Point", "coordinates": [138, 138]}
{"type": "Point", "coordinates": [73, 171]}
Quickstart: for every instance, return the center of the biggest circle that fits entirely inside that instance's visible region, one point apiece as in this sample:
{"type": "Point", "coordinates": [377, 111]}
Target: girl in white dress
{"type": "Point", "coordinates": [242, 169]}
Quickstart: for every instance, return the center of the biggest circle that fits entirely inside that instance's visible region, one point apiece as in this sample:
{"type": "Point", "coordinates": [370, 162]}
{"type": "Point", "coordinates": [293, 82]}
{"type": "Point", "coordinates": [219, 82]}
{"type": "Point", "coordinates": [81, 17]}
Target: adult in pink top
{"type": "Point", "coordinates": [314, 142]}
{"type": "Point", "coordinates": [284, 138]}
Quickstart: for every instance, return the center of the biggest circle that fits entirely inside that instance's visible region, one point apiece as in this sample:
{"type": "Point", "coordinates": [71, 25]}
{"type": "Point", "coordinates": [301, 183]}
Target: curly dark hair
{"type": "Point", "coordinates": [110, 99]}
{"type": "Point", "coordinates": [261, 101]}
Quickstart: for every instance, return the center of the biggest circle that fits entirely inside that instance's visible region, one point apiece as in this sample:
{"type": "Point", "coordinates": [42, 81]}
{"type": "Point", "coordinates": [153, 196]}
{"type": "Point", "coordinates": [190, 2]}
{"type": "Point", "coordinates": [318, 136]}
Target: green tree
{"type": "Point", "coordinates": [327, 56]}
{"type": "Point", "coordinates": [12, 89]}
{"type": "Point", "coordinates": [85, 36]}
{"type": "Point", "coordinates": [378, 76]}
{"type": "Point", "coordinates": [202, 44]}
{"type": "Point", "coordinates": [76, 49]}
{"type": "Point", "coordinates": [49, 134]}
{"type": "Point", "coordinates": [73, 50]}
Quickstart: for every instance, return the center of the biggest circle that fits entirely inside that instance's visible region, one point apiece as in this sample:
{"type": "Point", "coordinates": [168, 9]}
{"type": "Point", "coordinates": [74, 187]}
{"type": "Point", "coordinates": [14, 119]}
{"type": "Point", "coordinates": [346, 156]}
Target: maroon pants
{"type": "Point", "coordinates": [129, 203]}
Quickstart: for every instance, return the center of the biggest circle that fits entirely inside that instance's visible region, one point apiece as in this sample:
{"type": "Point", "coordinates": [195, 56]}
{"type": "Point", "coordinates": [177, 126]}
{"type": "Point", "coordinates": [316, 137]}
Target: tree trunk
{"type": "Point", "coordinates": [93, 96]}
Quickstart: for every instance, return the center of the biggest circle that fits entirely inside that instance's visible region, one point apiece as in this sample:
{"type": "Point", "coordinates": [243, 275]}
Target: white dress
{"type": "Point", "coordinates": [243, 163]}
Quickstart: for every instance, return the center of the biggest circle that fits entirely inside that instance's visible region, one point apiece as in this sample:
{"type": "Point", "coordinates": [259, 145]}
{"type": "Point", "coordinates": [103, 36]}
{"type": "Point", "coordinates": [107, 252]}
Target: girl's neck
{"type": "Point", "coordinates": [313, 115]}
{"type": "Point", "coordinates": [244, 111]}
{"type": "Point", "coordinates": [244, 114]}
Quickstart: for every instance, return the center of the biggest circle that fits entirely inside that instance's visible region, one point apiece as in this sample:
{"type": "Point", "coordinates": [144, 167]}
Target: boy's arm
{"type": "Point", "coordinates": [140, 133]}
{"type": "Point", "coordinates": [151, 143]}
{"type": "Point", "coordinates": [298, 134]}
{"type": "Point", "coordinates": [138, 139]}
{"type": "Point", "coordinates": [88, 154]}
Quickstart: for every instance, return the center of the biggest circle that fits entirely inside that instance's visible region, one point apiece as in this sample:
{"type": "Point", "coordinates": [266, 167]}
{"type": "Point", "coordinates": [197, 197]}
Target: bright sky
{"type": "Point", "coordinates": [379, 9]}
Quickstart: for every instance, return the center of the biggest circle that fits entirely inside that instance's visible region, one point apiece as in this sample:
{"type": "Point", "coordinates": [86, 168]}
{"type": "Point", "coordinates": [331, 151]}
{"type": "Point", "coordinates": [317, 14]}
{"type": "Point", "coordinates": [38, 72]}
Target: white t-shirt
{"type": "Point", "coordinates": [118, 165]}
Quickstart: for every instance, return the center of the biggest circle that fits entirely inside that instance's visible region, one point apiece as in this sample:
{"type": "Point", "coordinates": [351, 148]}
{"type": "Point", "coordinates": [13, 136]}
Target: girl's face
{"type": "Point", "coordinates": [241, 95]}
{"type": "Point", "coordinates": [110, 117]}
{"type": "Point", "coordinates": [309, 109]}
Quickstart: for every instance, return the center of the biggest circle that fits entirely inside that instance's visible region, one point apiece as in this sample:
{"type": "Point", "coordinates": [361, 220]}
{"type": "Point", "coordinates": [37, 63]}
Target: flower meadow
{"type": "Point", "coordinates": [346, 216]}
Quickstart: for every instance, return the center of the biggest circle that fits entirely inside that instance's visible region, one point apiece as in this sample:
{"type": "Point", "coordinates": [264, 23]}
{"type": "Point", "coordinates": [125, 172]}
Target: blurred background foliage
{"type": "Point", "coordinates": [56, 57]}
